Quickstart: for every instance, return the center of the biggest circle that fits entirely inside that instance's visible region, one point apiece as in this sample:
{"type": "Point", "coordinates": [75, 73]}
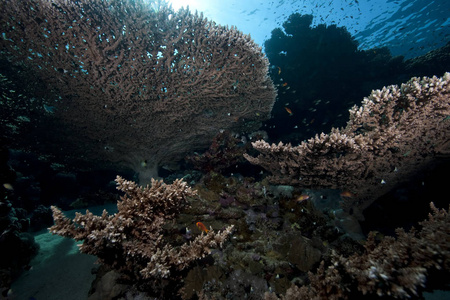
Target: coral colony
{"type": "Point", "coordinates": [140, 84]}
{"type": "Point", "coordinates": [134, 233]}
{"type": "Point", "coordinates": [395, 132]}
{"type": "Point", "coordinates": [132, 84]}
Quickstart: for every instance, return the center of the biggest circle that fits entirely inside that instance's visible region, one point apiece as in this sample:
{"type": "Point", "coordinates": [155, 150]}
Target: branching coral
{"type": "Point", "coordinates": [396, 132]}
{"type": "Point", "coordinates": [395, 267]}
{"type": "Point", "coordinates": [131, 240]}
{"type": "Point", "coordinates": [139, 83]}
{"type": "Point", "coordinates": [223, 153]}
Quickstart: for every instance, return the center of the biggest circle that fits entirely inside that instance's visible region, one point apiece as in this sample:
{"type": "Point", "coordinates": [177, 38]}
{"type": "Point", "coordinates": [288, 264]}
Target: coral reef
{"type": "Point", "coordinates": [17, 245]}
{"type": "Point", "coordinates": [396, 132]}
{"type": "Point", "coordinates": [132, 241]}
{"type": "Point", "coordinates": [134, 82]}
{"type": "Point", "coordinates": [434, 62]}
{"type": "Point", "coordinates": [304, 58]}
{"type": "Point", "coordinates": [275, 240]}
{"type": "Point", "coordinates": [395, 267]}
{"type": "Point", "coordinates": [141, 85]}
{"type": "Point", "coordinates": [223, 153]}
{"type": "Point", "coordinates": [321, 71]}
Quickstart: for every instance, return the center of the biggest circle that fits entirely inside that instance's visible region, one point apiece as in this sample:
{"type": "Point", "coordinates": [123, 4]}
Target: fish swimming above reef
{"type": "Point", "coordinates": [289, 111]}
{"type": "Point", "coordinates": [302, 198]}
{"type": "Point", "coordinates": [202, 227]}
{"type": "Point", "coordinates": [8, 186]}
{"type": "Point", "coordinates": [347, 194]}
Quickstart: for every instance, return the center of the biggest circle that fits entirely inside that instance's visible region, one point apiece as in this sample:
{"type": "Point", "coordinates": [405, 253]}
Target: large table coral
{"type": "Point", "coordinates": [132, 83]}
{"type": "Point", "coordinates": [131, 240]}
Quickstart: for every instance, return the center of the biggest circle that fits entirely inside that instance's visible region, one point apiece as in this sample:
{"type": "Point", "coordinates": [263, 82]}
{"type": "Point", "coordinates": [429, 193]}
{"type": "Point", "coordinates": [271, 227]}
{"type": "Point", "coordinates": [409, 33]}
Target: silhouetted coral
{"type": "Point", "coordinates": [434, 62]}
{"type": "Point", "coordinates": [17, 247]}
{"type": "Point", "coordinates": [320, 73]}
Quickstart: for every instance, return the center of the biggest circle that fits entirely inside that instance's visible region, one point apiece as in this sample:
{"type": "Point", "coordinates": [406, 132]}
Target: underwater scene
{"type": "Point", "coordinates": [206, 149]}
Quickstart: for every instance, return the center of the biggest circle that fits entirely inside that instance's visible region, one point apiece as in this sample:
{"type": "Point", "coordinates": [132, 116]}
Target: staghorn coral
{"type": "Point", "coordinates": [131, 240]}
{"type": "Point", "coordinates": [395, 267]}
{"type": "Point", "coordinates": [393, 134]}
{"type": "Point", "coordinates": [134, 83]}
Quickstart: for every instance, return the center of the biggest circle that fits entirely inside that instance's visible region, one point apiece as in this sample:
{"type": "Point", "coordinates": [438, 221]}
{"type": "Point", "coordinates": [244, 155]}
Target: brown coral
{"type": "Point", "coordinates": [131, 240]}
{"type": "Point", "coordinates": [133, 82]}
{"type": "Point", "coordinates": [395, 267]}
{"type": "Point", "coordinates": [396, 132]}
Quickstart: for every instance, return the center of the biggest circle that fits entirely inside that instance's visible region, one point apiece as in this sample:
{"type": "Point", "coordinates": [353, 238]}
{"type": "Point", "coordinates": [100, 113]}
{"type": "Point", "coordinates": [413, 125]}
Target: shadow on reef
{"type": "Point", "coordinates": [388, 212]}
{"type": "Point", "coordinates": [29, 185]}
{"type": "Point", "coordinates": [17, 246]}
{"type": "Point", "coordinates": [320, 74]}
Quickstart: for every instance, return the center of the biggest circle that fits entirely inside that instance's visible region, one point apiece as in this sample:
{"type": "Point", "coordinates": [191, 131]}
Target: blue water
{"type": "Point", "coordinates": [408, 27]}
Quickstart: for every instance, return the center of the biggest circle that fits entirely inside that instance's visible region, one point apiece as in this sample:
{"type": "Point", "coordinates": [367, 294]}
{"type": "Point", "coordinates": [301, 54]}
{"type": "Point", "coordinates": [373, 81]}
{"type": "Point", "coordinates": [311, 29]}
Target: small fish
{"type": "Point", "coordinates": [202, 227]}
{"type": "Point", "coordinates": [8, 186]}
{"type": "Point", "coordinates": [289, 111]}
{"type": "Point", "coordinates": [279, 70]}
{"type": "Point", "coordinates": [49, 109]}
{"type": "Point", "coordinates": [347, 194]}
{"type": "Point", "coordinates": [285, 84]}
{"type": "Point", "coordinates": [188, 234]}
{"type": "Point", "coordinates": [302, 198]}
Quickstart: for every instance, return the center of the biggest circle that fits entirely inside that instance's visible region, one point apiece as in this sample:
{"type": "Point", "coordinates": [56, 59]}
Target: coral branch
{"type": "Point", "coordinates": [395, 267]}
{"type": "Point", "coordinates": [131, 240]}
{"type": "Point", "coordinates": [396, 132]}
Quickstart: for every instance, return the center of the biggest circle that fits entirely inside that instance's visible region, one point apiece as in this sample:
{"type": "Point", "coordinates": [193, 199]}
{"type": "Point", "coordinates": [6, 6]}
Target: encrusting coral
{"type": "Point", "coordinates": [396, 132]}
{"type": "Point", "coordinates": [131, 241]}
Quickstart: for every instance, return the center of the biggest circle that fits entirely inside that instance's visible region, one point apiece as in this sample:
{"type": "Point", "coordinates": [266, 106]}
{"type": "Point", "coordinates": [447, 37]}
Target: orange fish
{"type": "Point", "coordinates": [302, 198]}
{"type": "Point", "coordinates": [289, 111]}
{"type": "Point", "coordinates": [202, 227]}
{"type": "Point", "coordinates": [347, 194]}
{"type": "Point", "coordinates": [285, 84]}
{"type": "Point", "coordinates": [8, 186]}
